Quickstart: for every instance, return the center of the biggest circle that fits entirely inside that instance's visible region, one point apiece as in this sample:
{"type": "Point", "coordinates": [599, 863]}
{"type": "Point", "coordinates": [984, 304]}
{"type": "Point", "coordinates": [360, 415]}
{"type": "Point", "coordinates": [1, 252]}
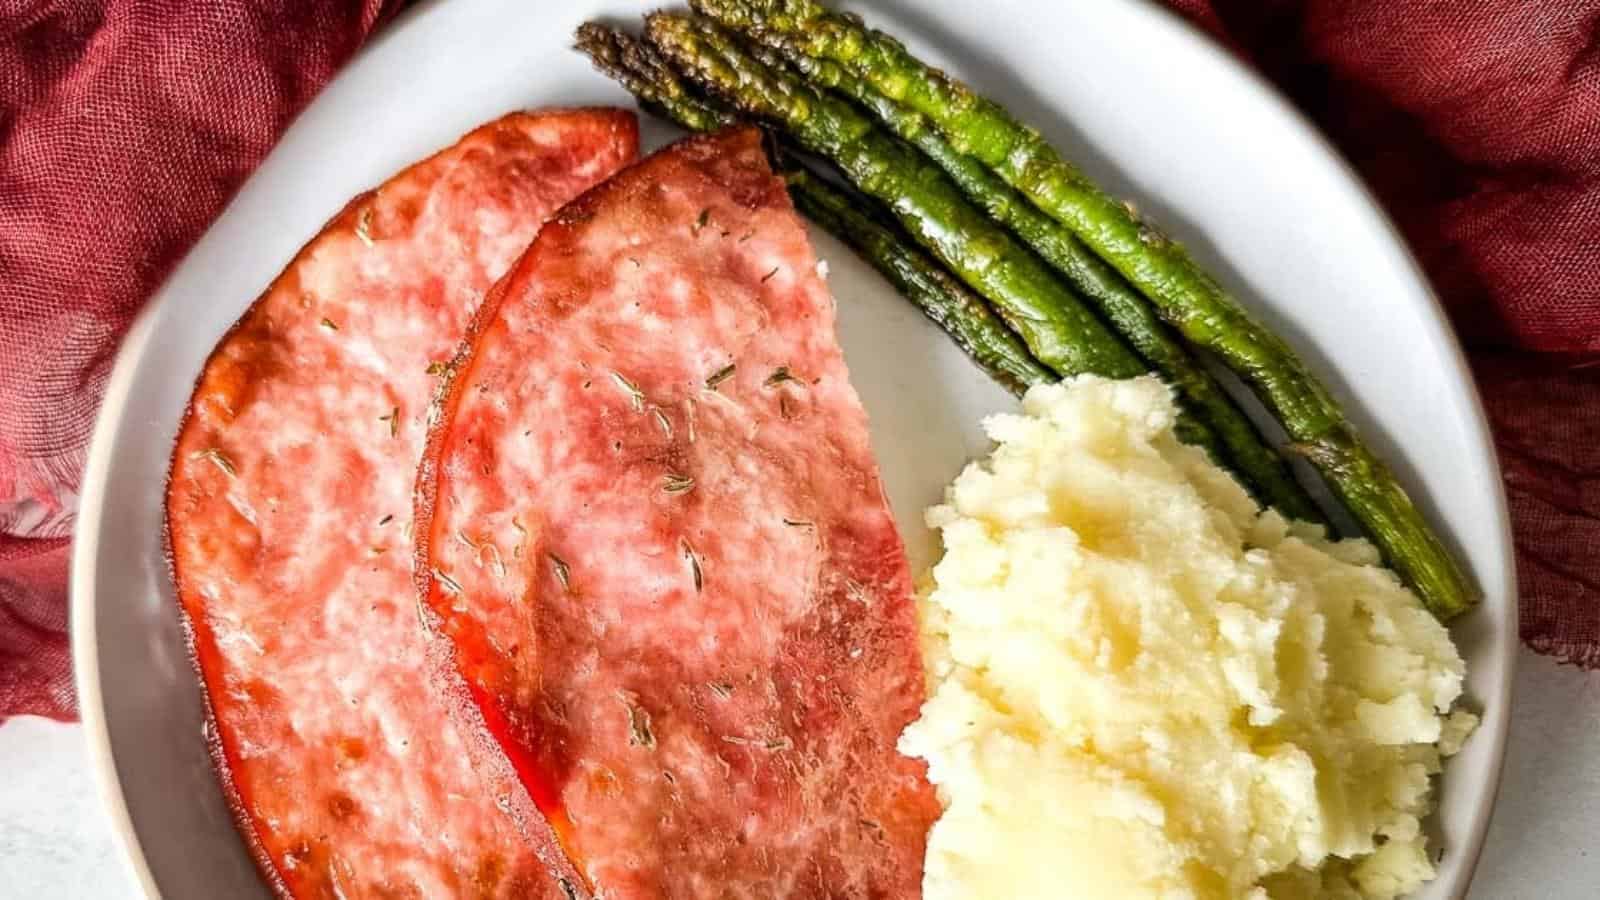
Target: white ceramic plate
{"type": "Point", "coordinates": [1147, 105]}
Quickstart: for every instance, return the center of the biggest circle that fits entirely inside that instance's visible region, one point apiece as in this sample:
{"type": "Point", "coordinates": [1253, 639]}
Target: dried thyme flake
{"type": "Point", "coordinates": [767, 277]}
{"type": "Point", "coordinates": [779, 376]}
{"type": "Point", "coordinates": [562, 572]}
{"type": "Point", "coordinates": [721, 689]}
{"type": "Point", "coordinates": [385, 520]}
{"type": "Point", "coordinates": [747, 235]}
{"type": "Point", "coordinates": [694, 566]}
{"type": "Point", "coordinates": [675, 483]}
{"type": "Point", "coordinates": [662, 420]}
{"type": "Point", "coordinates": [364, 226]}
{"type": "Point", "coordinates": [798, 523]}
{"type": "Point", "coordinates": [216, 458]}
{"type": "Point", "coordinates": [635, 396]}
{"type": "Point", "coordinates": [495, 563]}
{"type": "Point", "coordinates": [450, 584]}
{"type": "Point", "coordinates": [639, 733]}
{"type": "Point", "coordinates": [701, 220]}
{"type": "Point", "coordinates": [719, 376]}
{"type": "Point", "coordinates": [328, 324]}
{"type": "Point", "coordinates": [393, 418]}
{"type": "Point", "coordinates": [516, 552]}
{"type": "Point", "coordinates": [856, 592]}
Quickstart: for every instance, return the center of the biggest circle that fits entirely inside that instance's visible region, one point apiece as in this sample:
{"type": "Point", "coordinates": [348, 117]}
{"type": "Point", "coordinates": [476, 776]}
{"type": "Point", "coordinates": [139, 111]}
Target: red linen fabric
{"type": "Point", "coordinates": [125, 127]}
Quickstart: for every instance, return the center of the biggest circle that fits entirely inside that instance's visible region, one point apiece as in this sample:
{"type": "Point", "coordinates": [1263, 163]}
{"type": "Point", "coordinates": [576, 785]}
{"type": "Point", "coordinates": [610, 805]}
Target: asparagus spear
{"type": "Point", "coordinates": [1057, 328]}
{"type": "Point", "coordinates": [1184, 295]}
{"type": "Point", "coordinates": [1129, 312]}
{"type": "Point", "coordinates": [1053, 323]}
{"type": "Point", "coordinates": [943, 298]}
{"type": "Point", "coordinates": [642, 72]}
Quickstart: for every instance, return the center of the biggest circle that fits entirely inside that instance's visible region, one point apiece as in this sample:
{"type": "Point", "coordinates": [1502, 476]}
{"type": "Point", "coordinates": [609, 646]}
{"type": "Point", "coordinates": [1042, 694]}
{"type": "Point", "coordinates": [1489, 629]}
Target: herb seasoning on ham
{"type": "Point", "coordinates": [650, 522]}
{"type": "Point", "coordinates": [353, 767]}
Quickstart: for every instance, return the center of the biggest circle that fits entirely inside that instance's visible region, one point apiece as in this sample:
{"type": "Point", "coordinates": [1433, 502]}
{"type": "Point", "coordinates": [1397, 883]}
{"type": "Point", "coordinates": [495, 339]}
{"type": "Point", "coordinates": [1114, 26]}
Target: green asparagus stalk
{"type": "Point", "coordinates": [1262, 467]}
{"type": "Point", "coordinates": [1183, 294]}
{"type": "Point", "coordinates": [1060, 331]}
{"type": "Point", "coordinates": [943, 298]}
{"type": "Point", "coordinates": [1054, 324]}
{"type": "Point", "coordinates": [642, 72]}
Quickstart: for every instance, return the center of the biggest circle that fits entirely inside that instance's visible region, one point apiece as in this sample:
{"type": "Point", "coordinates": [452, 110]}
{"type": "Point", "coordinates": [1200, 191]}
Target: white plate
{"type": "Point", "coordinates": [1148, 106]}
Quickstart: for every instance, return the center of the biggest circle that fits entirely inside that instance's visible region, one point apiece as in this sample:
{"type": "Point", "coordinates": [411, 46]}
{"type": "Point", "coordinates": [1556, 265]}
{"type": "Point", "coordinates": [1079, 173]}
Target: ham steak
{"type": "Point", "coordinates": [650, 523]}
{"type": "Point", "coordinates": [338, 736]}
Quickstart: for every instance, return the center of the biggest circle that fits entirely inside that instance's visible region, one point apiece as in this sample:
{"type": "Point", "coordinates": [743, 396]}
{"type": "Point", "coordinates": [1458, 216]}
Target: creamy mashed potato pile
{"type": "Point", "coordinates": [1143, 686]}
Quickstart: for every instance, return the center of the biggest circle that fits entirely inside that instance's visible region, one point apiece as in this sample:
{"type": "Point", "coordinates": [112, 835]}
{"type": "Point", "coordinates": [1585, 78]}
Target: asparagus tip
{"type": "Point", "coordinates": [599, 42]}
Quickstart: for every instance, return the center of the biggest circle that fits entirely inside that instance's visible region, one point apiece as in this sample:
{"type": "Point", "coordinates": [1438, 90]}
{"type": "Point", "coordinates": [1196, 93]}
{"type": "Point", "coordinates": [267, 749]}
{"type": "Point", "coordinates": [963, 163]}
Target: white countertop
{"type": "Point", "coordinates": [55, 843]}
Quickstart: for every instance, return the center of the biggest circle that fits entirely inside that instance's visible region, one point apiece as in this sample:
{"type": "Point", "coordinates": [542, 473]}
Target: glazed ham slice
{"type": "Point", "coordinates": [650, 522]}
{"type": "Point", "coordinates": [351, 770]}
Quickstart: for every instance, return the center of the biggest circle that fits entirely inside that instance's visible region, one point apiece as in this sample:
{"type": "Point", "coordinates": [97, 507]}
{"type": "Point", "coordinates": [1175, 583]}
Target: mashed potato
{"type": "Point", "coordinates": [1142, 686]}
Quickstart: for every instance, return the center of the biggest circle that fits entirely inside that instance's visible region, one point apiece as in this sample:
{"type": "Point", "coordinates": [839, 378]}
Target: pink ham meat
{"type": "Point", "coordinates": [651, 524]}
{"type": "Point", "coordinates": [289, 520]}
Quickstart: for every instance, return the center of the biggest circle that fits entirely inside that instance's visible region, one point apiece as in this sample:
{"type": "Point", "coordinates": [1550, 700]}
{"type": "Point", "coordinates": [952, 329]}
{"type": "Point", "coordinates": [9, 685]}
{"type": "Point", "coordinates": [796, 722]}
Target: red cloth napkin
{"type": "Point", "coordinates": [126, 126]}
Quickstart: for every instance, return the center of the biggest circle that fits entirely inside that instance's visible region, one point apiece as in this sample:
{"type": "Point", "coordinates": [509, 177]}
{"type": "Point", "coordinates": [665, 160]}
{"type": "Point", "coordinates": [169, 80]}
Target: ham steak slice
{"type": "Point", "coordinates": [343, 749]}
{"type": "Point", "coordinates": [650, 523]}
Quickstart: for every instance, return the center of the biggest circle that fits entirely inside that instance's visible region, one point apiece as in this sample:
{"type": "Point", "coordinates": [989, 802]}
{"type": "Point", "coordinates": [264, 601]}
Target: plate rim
{"type": "Point", "coordinates": [82, 595]}
{"type": "Point", "coordinates": [1266, 92]}
{"type": "Point", "coordinates": [82, 608]}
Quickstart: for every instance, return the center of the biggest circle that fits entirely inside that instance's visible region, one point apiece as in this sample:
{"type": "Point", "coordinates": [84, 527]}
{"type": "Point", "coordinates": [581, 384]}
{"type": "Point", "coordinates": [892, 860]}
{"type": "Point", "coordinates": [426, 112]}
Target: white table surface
{"type": "Point", "coordinates": [1544, 843]}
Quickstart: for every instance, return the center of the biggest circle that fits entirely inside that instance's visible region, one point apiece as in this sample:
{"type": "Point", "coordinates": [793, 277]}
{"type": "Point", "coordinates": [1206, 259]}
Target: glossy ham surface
{"type": "Point", "coordinates": [651, 525]}
{"type": "Point", "coordinates": [343, 738]}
